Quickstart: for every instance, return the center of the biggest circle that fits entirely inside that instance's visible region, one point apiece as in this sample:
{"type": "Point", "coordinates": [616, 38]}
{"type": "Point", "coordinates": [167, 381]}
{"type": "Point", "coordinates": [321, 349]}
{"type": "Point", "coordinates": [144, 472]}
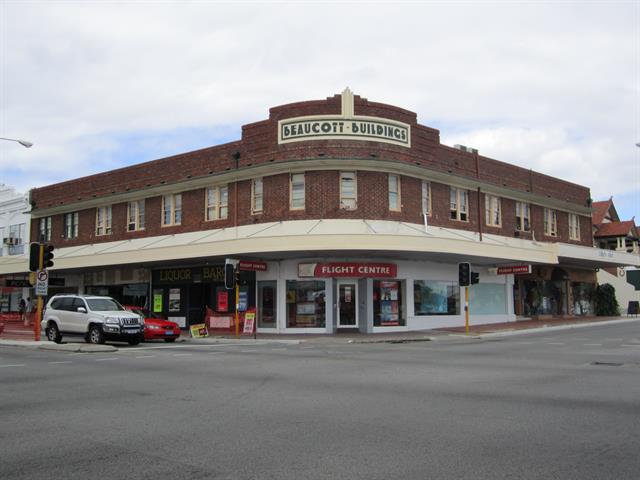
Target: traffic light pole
{"type": "Point", "coordinates": [38, 319]}
{"type": "Point", "coordinates": [466, 310]}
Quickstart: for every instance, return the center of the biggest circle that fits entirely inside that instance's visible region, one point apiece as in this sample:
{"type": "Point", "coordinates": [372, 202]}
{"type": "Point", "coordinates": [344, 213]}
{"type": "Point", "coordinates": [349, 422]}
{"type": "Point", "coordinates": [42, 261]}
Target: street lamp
{"type": "Point", "coordinates": [24, 143]}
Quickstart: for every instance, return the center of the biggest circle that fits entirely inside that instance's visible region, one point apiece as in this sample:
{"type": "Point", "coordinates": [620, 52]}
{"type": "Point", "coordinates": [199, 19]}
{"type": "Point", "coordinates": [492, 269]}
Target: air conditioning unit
{"type": "Point", "coordinates": [8, 240]}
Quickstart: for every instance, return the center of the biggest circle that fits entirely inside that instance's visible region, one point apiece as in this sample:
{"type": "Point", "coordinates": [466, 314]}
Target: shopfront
{"type": "Point", "coordinates": [185, 294]}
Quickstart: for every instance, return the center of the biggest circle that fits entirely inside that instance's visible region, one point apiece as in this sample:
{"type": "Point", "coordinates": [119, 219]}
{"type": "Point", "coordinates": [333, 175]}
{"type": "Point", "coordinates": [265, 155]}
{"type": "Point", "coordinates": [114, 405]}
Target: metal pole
{"type": "Point", "coordinates": [466, 310]}
{"type": "Point", "coordinates": [237, 306]}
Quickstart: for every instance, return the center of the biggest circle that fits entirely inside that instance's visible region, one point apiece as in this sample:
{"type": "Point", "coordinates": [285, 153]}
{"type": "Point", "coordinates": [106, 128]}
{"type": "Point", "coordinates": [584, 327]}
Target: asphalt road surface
{"type": "Point", "coordinates": [554, 405]}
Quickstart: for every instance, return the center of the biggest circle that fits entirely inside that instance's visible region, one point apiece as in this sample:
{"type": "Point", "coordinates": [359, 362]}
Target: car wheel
{"type": "Point", "coordinates": [133, 342]}
{"type": "Point", "coordinates": [95, 335]}
{"type": "Point", "coordinates": [53, 334]}
{"type": "Point", "coordinates": [170, 340]}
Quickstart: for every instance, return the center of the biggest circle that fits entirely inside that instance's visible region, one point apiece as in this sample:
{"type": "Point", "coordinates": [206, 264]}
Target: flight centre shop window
{"type": "Point", "coordinates": [306, 304]}
{"type": "Point", "coordinates": [432, 297]}
{"type": "Point", "coordinates": [387, 303]}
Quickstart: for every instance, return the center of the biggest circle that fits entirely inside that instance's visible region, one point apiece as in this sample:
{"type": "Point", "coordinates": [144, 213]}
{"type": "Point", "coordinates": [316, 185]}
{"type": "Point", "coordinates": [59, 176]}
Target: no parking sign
{"type": "Point", "coordinates": [42, 282]}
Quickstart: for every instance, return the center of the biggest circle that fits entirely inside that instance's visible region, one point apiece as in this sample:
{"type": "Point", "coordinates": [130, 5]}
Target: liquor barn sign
{"type": "Point", "coordinates": [346, 126]}
{"type": "Point", "coordinates": [348, 270]}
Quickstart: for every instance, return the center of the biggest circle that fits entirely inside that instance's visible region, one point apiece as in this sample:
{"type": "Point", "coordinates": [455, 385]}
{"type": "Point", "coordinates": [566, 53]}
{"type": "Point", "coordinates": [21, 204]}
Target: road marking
{"type": "Point", "coordinates": [614, 339]}
{"type": "Point", "coordinates": [203, 345]}
{"type": "Point", "coordinates": [307, 348]}
{"type": "Point", "coordinates": [249, 351]}
{"type": "Point", "coordinates": [57, 363]}
{"type": "Point", "coordinates": [555, 343]}
{"type": "Point", "coordinates": [634, 345]}
{"type": "Point", "coordinates": [278, 349]}
{"type": "Point", "coordinates": [15, 365]}
{"type": "Point", "coordinates": [182, 354]}
{"type": "Point", "coordinates": [106, 359]}
{"type": "Point", "coordinates": [145, 356]}
{"type": "Point", "coordinates": [592, 344]}
{"type": "Point", "coordinates": [215, 353]}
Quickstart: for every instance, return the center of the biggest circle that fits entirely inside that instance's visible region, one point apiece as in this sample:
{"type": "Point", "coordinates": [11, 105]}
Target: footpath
{"type": "Point", "coordinates": [19, 336]}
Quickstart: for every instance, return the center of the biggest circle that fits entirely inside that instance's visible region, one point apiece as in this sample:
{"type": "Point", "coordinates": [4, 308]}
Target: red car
{"type": "Point", "coordinates": [155, 326]}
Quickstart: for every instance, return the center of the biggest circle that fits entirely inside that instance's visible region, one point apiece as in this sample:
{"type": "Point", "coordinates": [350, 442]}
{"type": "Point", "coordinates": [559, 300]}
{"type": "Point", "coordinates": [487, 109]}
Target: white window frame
{"type": "Point", "coordinates": [217, 203]}
{"type": "Point", "coordinates": [295, 203]}
{"type": "Point", "coordinates": [103, 221]}
{"type": "Point", "coordinates": [426, 197]}
{"type": "Point", "coordinates": [523, 217]}
{"type": "Point", "coordinates": [135, 215]}
{"type": "Point", "coordinates": [492, 211]}
{"type": "Point", "coordinates": [348, 200]}
{"type": "Point", "coordinates": [574, 227]}
{"type": "Point", "coordinates": [44, 229]}
{"type": "Point", "coordinates": [257, 196]}
{"type": "Point", "coordinates": [394, 189]}
{"type": "Point", "coordinates": [172, 204]}
{"type": "Point", "coordinates": [550, 222]}
{"type": "Point", "coordinates": [458, 197]}
{"type": "Point", "coordinates": [71, 221]}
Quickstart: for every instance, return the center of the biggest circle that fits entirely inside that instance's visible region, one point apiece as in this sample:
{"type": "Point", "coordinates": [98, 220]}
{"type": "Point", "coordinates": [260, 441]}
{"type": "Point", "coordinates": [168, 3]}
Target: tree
{"type": "Point", "coordinates": [606, 302]}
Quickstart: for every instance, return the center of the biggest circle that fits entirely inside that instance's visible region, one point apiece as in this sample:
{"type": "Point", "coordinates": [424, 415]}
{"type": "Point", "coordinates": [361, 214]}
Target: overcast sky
{"type": "Point", "coordinates": [95, 85]}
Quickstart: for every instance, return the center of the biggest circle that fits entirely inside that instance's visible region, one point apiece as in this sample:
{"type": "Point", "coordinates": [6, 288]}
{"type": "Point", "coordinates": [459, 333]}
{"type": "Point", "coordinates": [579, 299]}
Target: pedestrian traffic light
{"type": "Point", "coordinates": [47, 259]}
{"type": "Point", "coordinates": [464, 271]}
{"type": "Point", "coordinates": [475, 278]}
{"type": "Point", "coordinates": [34, 257]}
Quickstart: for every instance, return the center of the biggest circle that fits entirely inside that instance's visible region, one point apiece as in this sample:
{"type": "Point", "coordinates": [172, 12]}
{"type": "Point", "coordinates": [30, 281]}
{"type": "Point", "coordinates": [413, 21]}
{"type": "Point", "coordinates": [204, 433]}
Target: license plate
{"type": "Point", "coordinates": [131, 332]}
{"type": "Point", "coordinates": [168, 332]}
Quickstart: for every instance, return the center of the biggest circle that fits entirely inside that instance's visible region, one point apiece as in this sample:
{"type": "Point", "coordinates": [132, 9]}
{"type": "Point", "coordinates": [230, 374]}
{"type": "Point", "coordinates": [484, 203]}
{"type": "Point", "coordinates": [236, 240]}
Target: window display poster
{"type": "Point", "coordinates": [389, 290]}
{"type": "Point", "coordinates": [242, 301]}
{"type": "Point", "coordinates": [347, 294]}
{"type": "Point", "coordinates": [223, 301]}
{"type": "Point", "coordinates": [174, 299]}
{"type": "Point", "coordinates": [389, 303]}
{"type": "Point", "coordinates": [157, 301]}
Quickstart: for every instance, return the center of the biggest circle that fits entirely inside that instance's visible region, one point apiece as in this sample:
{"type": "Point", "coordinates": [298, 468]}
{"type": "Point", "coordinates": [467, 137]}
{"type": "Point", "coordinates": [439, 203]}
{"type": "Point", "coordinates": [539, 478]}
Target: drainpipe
{"type": "Point", "coordinates": [236, 157]}
{"type": "Point", "coordinates": [475, 154]}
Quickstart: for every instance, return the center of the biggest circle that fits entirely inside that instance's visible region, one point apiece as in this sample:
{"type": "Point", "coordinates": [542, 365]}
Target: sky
{"type": "Point", "coordinates": [97, 85]}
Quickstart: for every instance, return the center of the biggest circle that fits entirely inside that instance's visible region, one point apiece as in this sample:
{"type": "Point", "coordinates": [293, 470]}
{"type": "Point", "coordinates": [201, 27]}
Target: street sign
{"type": "Point", "coordinates": [42, 282]}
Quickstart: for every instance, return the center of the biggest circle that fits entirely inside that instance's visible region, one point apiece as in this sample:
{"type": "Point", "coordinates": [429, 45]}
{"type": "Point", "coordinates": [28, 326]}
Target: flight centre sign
{"type": "Point", "coordinates": [357, 128]}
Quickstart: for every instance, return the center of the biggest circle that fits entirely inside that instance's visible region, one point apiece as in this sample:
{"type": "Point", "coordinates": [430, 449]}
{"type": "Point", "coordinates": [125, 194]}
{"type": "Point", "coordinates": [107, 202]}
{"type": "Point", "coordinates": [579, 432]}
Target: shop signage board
{"type": "Point", "coordinates": [223, 301]}
{"type": "Point", "coordinates": [514, 270]}
{"type": "Point", "coordinates": [199, 330]}
{"type": "Point", "coordinates": [177, 276]}
{"type": "Point", "coordinates": [220, 321]}
{"type": "Point", "coordinates": [42, 283]}
{"type": "Point", "coordinates": [348, 270]}
{"type": "Point", "coordinates": [242, 301]}
{"type": "Point", "coordinates": [252, 266]}
{"type": "Point", "coordinates": [13, 282]}
{"type": "Point", "coordinates": [249, 322]}
{"type": "Point", "coordinates": [157, 302]}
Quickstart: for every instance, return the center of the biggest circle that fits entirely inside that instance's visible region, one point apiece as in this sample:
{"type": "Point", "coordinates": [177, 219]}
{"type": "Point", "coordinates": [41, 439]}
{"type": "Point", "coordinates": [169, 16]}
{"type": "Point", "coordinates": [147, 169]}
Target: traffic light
{"type": "Point", "coordinates": [229, 276]}
{"type": "Point", "coordinates": [47, 259]}
{"type": "Point", "coordinates": [34, 257]}
{"type": "Point", "coordinates": [464, 274]}
{"type": "Point", "coordinates": [475, 278]}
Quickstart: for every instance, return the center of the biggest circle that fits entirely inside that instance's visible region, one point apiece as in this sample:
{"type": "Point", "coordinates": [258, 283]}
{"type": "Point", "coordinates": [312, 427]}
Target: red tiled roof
{"type": "Point", "coordinates": [599, 210]}
{"type": "Point", "coordinates": [616, 229]}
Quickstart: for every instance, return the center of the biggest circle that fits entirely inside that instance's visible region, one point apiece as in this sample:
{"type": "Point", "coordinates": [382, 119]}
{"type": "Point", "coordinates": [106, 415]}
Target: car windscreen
{"type": "Point", "coordinates": [103, 304]}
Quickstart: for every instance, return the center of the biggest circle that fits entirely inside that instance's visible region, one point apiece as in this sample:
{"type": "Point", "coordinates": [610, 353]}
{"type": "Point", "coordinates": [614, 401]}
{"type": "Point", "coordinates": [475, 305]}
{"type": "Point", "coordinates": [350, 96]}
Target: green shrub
{"type": "Point", "coordinates": [606, 302]}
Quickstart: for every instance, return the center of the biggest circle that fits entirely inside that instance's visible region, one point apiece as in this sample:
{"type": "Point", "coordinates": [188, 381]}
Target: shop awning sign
{"type": "Point", "coordinates": [253, 265]}
{"type": "Point", "coordinates": [513, 270]}
{"type": "Point", "coordinates": [348, 270]}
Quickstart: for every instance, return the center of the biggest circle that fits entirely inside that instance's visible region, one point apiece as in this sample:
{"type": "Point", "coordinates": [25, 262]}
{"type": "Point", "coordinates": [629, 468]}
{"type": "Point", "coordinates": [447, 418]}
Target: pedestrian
{"type": "Point", "coordinates": [28, 311]}
{"type": "Point", "coordinates": [22, 308]}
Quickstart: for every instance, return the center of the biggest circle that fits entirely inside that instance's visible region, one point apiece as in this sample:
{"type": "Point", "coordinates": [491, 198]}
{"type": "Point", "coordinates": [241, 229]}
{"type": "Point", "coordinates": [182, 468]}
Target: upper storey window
{"type": "Point", "coordinates": [217, 202]}
{"type": "Point", "coordinates": [348, 191]}
{"type": "Point", "coordinates": [550, 222]}
{"type": "Point", "coordinates": [103, 220]}
{"type": "Point", "coordinates": [296, 191]}
{"type": "Point", "coordinates": [135, 215]}
{"type": "Point", "coordinates": [71, 225]}
{"type": "Point", "coordinates": [172, 209]}
{"type": "Point", "coordinates": [256, 196]}
{"type": "Point", "coordinates": [394, 192]}
{"type": "Point", "coordinates": [574, 227]}
{"type": "Point", "coordinates": [523, 217]}
{"type": "Point", "coordinates": [426, 198]}
{"type": "Point", "coordinates": [492, 211]}
{"type": "Point", "coordinates": [459, 204]}
{"type": "Point", "coordinates": [44, 232]}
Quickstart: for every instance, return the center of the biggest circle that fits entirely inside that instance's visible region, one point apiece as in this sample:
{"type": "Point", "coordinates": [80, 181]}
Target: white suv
{"type": "Point", "coordinates": [95, 318]}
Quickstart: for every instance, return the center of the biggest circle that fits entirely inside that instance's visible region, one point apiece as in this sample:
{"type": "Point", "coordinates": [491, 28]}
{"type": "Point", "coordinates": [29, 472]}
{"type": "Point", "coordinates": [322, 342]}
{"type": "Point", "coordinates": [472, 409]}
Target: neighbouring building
{"type": "Point", "coordinates": [610, 233]}
{"type": "Point", "coordinates": [345, 214]}
{"type": "Point", "coordinates": [15, 223]}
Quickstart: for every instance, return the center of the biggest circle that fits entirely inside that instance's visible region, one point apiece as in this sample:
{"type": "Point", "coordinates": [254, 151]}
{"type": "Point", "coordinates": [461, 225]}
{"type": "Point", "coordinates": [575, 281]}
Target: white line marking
{"type": "Point", "coordinates": [145, 356]}
{"type": "Point", "coordinates": [636, 345]}
{"type": "Point", "coordinates": [555, 343]}
{"type": "Point", "coordinates": [215, 353]}
{"type": "Point", "coordinates": [182, 354]}
{"type": "Point", "coordinates": [592, 344]}
{"type": "Point", "coordinates": [106, 359]}
{"type": "Point", "coordinates": [249, 351]}
{"type": "Point", "coordinates": [16, 365]}
{"type": "Point", "coordinates": [57, 363]}
{"type": "Point", "coordinates": [278, 349]}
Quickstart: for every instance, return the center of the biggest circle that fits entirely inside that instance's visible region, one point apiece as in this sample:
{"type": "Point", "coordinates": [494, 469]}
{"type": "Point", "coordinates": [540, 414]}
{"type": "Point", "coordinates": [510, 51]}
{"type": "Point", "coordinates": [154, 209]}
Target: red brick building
{"type": "Point", "coordinates": [358, 212]}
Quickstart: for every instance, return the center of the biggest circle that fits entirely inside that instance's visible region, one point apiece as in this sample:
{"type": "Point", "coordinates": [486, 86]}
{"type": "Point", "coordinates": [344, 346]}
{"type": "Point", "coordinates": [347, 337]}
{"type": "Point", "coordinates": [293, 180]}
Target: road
{"type": "Point", "coordinates": [554, 405]}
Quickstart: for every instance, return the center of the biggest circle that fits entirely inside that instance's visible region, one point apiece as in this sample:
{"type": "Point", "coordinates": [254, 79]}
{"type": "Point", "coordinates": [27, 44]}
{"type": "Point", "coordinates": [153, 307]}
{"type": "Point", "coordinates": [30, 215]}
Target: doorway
{"type": "Point", "coordinates": [347, 304]}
